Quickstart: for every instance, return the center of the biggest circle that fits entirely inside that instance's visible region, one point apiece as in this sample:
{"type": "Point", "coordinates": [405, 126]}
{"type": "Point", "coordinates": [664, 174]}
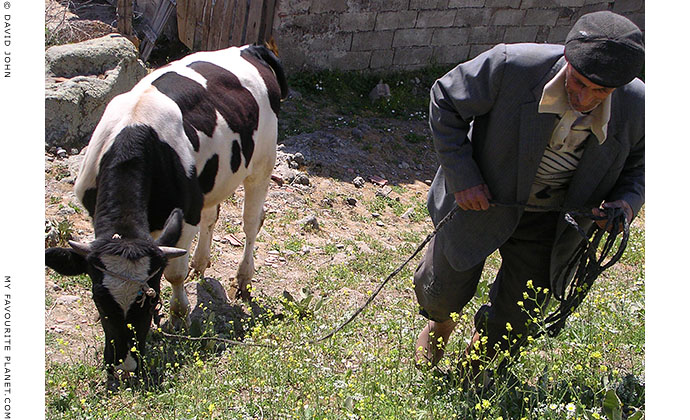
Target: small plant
{"type": "Point", "coordinates": [304, 307]}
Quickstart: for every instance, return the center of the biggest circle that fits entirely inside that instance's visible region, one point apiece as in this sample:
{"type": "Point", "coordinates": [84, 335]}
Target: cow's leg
{"type": "Point", "coordinates": [255, 189]}
{"type": "Point", "coordinates": [176, 273]}
{"type": "Point", "coordinates": [202, 253]}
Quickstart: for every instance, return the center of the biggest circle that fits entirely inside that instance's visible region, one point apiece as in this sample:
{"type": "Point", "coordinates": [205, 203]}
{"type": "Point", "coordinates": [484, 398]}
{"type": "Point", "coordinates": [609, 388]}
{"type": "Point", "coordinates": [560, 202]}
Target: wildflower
{"type": "Point", "coordinates": [570, 407]}
{"type": "Point", "coordinates": [509, 327]}
{"type": "Point", "coordinates": [521, 303]}
{"type": "Point", "coordinates": [530, 285]}
{"type": "Point", "coordinates": [455, 316]}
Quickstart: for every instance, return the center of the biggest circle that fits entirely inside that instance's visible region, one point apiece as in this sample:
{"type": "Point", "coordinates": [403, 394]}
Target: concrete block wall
{"type": "Point", "coordinates": [382, 35]}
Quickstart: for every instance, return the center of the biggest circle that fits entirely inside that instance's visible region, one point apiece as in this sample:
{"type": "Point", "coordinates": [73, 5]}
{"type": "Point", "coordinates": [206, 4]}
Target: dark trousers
{"type": "Point", "coordinates": [526, 255]}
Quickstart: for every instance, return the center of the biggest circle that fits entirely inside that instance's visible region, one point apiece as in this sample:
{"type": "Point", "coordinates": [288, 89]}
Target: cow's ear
{"type": "Point", "coordinates": [172, 229]}
{"type": "Point", "coordinates": [65, 261]}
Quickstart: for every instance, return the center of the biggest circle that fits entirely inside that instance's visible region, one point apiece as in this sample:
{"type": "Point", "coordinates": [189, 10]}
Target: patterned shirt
{"type": "Point", "coordinates": [566, 145]}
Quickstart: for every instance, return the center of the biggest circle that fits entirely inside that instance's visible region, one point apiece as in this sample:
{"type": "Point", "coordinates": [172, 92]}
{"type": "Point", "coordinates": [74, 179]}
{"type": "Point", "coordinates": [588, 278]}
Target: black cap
{"type": "Point", "coordinates": [606, 48]}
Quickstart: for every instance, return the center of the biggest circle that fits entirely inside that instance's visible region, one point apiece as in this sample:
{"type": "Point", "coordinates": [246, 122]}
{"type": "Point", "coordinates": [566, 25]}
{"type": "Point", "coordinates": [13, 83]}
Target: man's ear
{"type": "Point", "coordinates": [172, 229]}
{"type": "Point", "coordinates": [65, 261]}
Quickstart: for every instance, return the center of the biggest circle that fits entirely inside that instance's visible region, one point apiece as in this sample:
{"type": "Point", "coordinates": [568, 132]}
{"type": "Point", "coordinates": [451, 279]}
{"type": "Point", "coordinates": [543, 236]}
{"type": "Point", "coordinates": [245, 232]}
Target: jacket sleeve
{"type": "Point", "coordinates": [467, 91]}
{"type": "Point", "coordinates": [630, 184]}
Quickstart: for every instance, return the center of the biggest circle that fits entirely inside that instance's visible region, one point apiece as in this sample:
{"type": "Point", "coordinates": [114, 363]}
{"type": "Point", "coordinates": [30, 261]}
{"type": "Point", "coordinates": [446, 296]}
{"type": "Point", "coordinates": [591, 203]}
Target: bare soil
{"type": "Point", "coordinates": [347, 147]}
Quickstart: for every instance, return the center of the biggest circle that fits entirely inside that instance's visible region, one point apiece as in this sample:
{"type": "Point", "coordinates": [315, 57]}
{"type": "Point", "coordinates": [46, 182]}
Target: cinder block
{"type": "Point", "coordinates": [477, 49]}
{"type": "Point", "coordinates": [509, 17]}
{"type": "Point", "coordinates": [381, 58]}
{"type": "Point", "coordinates": [515, 4]}
{"type": "Point", "coordinates": [395, 20]}
{"type": "Point", "coordinates": [473, 17]}
{"type": "Point", "coordinates": [385, 5]}
{"type": "Point", "coordinates": [451, 54]}
{"type": "Point", "coordinates": [487, 34]}
{"type": "Point", "coordinates": [459, 4]}
{"type": "Point", "coordinates": [521, 34]}
{"type": "Point", "coordinates": [350, 60]}
{"type": "Point", "coordinates": [341, 41]}
{"type": "Point", "coordinates": [412, 37]}
{"type": "Point", "coordinates": [428, 4]}
{"type": "Point", "coordinates": [541, 17]}
{"type": "Point", "coordinates": [367, 41]}
{"type": "Point", "coordinates": [624, 6]}
{"type": "Point", "coordinates": [557, 34]}
{"type": "Point", "coordinates": [538, 4]}
{"type": "Point", "coordinates": [451, 36]}
{"type": "Point", "coordinates": [412, 55]}
{"type": "Point", "coordinates": [355, 22]}
{"type": "Point", "coordinates": [325, 6]}
{"type": "Point", "coordinates": [436, 19]}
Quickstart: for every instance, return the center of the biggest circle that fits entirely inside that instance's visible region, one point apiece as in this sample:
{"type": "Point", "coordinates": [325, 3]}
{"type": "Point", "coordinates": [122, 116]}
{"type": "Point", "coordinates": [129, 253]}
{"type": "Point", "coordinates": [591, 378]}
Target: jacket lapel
{"type": "Point", "coordinates": [535, 131]}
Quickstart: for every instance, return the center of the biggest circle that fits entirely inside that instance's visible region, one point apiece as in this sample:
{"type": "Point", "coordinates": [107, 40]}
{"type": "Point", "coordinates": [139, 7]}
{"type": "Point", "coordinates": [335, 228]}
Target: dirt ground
{"type": "Point", "coordinates": [313, 177]}
{"type": "Point", "coordinates": [373, 149]}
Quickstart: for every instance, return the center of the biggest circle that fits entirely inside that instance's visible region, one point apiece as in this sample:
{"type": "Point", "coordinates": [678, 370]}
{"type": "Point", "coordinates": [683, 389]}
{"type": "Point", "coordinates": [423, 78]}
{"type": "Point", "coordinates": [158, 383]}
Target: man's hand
{"type": "Point", "coordinates": [474, 198]}
{"type": "Point", "coordinates": [613, 204]}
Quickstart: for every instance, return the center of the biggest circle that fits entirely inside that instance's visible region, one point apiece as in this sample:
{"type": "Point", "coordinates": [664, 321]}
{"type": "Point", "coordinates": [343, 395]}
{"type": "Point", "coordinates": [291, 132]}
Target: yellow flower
{"type": "Point", "coordinates": [530, 285]}
{"type": "Point", "coordinates": [509, 327]}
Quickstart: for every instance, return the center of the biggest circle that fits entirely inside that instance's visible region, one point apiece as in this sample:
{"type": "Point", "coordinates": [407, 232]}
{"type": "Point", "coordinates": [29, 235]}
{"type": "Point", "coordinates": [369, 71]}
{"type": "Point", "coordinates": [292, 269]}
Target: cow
{"type": "Point", "coordinates": [159, 163]}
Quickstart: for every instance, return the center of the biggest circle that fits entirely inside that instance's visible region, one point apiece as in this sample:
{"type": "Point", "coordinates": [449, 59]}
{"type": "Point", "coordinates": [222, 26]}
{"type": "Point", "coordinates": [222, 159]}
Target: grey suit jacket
{"type": "Point", "coordinates": [486, 129]}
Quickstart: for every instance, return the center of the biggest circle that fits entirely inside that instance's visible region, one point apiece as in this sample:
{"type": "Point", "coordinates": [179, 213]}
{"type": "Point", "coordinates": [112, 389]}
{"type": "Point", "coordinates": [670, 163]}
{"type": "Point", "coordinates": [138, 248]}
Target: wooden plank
{"type": "Point", "coordinates": [216, 24]}
{"type": "Point", "coordinates": [186, 21]}
{"type": "Point", "coordinates": [228, 22]}
{"type": "Point", "coordinates": [266, 30]}
{"type": "Point", "coordinates": [124, 17]}
{"type": "Point", "coordinates": [205, 23]}
{"type": "Point", "coordinates": [253, 21]}
{"type": "Point", "coordinates": [237, 37]}
{"type": "Point", "coordinates": [197, 23]}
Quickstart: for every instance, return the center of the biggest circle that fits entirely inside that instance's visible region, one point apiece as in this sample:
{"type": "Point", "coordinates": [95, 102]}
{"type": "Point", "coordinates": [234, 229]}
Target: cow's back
{"type": "Point", "coordinates": [217, 111]}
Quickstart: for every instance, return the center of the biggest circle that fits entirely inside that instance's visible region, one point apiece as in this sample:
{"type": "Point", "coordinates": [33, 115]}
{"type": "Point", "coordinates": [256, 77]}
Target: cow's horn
{"type": "Point", "coordinates": [172, 252]}
{"type": "Point", "coordinates": [80, 247]}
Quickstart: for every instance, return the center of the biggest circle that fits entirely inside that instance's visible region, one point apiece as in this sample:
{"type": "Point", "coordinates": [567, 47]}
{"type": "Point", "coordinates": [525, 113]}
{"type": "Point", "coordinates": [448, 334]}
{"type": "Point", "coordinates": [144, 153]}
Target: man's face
{"type": "Point", "coordinates": [583, 94]}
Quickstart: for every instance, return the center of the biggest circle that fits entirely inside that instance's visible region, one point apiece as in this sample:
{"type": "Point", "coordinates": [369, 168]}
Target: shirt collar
{"type": "Point", "coordinates": [554, 100]}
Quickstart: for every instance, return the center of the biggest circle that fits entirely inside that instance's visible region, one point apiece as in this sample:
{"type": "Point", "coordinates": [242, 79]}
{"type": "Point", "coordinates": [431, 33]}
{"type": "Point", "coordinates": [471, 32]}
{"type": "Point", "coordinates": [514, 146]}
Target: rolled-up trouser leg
{"type": "Point", "coordinates": [525, 256]}
{"type": "Point", "coordinates": [440, 289]}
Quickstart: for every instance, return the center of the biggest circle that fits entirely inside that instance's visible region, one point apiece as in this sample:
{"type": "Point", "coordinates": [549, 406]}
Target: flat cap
{"type": "Point", "coordinates": [606, 48]}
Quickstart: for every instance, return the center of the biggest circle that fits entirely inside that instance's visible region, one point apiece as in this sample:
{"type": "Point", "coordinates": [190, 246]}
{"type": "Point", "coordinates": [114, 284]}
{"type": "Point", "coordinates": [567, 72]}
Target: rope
{"type": "Point", "coordinates": [587, 265]}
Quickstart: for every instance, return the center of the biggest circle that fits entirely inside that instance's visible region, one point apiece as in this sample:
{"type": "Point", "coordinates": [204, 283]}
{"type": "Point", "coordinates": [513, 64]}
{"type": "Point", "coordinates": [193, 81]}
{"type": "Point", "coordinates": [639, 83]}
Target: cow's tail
{"type": "Point", "coordinates": [269, 53]}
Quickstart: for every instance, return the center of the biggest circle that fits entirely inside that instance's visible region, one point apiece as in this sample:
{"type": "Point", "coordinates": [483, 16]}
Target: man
{"type": "Point", "coordinates": [537, 124]}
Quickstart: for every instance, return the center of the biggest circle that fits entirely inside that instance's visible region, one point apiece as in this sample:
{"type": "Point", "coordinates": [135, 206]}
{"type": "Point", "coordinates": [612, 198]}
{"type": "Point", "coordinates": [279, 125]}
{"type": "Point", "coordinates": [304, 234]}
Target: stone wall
{"type": "Point", "coordinates": [382, 35]}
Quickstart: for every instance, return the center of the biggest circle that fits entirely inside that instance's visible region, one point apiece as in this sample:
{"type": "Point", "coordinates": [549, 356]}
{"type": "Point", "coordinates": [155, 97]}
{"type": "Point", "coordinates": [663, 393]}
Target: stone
{"type": "Point", "coordinates": [381, 90]}
{"type": "Point", "coordinates": [302, 179]}
{"type": "Point", "coordinates": [351, 201]}
{"type": "Point", "coordinates": [358, 182]}
{"type": "Point", "coordinates": [309, 222]}
{"type": "Point", "coordinates": [81, 79]}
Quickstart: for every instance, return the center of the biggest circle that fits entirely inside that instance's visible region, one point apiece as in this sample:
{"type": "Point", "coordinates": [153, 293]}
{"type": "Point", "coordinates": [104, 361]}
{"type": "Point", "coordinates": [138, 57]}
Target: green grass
{"type": "Point", "coordinates": [367, 371]}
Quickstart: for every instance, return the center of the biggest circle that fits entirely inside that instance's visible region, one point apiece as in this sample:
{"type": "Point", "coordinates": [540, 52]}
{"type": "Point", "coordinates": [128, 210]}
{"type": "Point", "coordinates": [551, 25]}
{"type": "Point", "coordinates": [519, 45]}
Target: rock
{"type": "Point", "coordinates": [66, 299]}
{"type": "Point", "coordinates": [358, 182]}
{"type": "Point", "coordinates": [407, 213]}
{"type": "Point", "coordinates": [404, 165]}
{"type": "Point", "coordinates": [302, 179]}
{"type": "Point", "coordinates": [327, 202]}
{"type": "Point", "coordinates": [299, 158]}
{"type": "Point", "coordinates": [81, 79]}
{"type": "Point", "coordinates": [384, 191]}
{"type": "Point", "coordinates": [61, 153]}
{"type": "Point", "coordinates": [375, 215]}
{"type": "Point", "coordinates": [351, 201]}
{"type": "Point", "coordinates": [381, 90]}
{"type": "Point", "coordinates": [427, 181]}
{"type": "Point", "coordinates": [379, 223]}
{"type": "Point", "coordinates": [309, 222]}
{"type": "Point", "coordinates": [357, 133]}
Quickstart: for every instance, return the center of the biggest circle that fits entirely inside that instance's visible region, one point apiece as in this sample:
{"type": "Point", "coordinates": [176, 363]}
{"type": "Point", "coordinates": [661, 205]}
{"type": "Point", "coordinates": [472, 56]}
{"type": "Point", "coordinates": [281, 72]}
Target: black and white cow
{"type": "Point", "coordinates": [161, 160]}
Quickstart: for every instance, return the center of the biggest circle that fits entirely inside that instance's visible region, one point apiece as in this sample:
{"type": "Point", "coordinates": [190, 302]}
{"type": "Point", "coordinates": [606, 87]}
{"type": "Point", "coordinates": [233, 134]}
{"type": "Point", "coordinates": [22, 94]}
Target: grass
{"type": "Point", "coordinates": [367, 370]}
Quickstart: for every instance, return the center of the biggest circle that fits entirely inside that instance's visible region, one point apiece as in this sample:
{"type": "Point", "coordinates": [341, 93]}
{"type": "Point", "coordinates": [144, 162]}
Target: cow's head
{"type": "Point", "coordinates": [125, 275]}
